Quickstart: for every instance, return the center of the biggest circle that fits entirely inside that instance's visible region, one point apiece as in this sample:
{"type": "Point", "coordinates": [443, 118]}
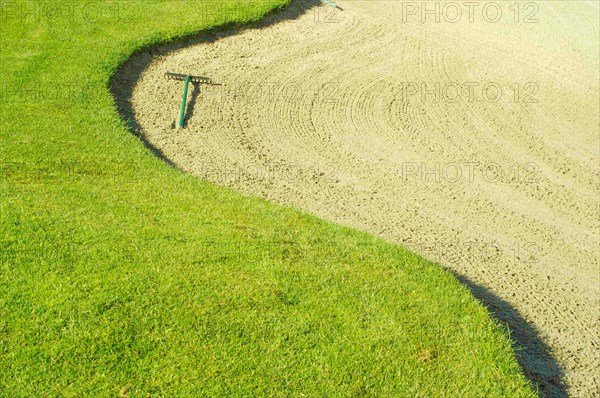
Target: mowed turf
{"type": "Point", "coordinates": [121, 276]}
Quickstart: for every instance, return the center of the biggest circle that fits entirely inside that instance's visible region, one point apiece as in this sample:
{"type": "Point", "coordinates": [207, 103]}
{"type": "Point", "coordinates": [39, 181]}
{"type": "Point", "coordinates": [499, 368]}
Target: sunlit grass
{"type": "Point", "coordinates": [120, 275]}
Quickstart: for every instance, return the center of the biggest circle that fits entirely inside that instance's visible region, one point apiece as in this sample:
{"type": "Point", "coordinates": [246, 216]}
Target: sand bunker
{"type": "Point", "coordinates": [472, 141]}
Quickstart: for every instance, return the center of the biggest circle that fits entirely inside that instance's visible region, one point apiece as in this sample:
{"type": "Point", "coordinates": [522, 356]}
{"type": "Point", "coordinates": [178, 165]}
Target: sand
{"type": "Point", "coordinates": [474, 143]}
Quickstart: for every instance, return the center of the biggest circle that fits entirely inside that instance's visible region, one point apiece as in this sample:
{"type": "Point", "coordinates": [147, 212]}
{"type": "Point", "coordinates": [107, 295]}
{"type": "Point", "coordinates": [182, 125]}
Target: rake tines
{"type": "Point", "coordinates": [193, 79]}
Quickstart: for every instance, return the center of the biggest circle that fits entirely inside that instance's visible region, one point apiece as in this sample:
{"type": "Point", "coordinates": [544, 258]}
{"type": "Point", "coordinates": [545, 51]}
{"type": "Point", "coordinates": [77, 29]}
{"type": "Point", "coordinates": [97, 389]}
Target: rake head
{"type": "Point", "coordinates": [193, 79]}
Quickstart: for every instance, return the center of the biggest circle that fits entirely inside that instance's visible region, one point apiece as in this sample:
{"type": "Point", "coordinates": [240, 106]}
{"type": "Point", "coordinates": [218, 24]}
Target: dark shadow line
{"type": "Point", "coordinates": [534, 356]}
{"type": "Point", "coordinates": [191, 106]}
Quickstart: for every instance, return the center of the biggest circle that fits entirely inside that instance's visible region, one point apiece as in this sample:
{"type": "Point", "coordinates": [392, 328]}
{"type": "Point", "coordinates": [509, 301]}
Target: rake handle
{"type": "Point", "coordinates": [184, 103]}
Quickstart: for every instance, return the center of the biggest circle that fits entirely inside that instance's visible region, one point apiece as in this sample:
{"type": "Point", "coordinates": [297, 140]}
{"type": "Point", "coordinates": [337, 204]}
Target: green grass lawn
{"type": "Point", "coordinates": [121, 276]}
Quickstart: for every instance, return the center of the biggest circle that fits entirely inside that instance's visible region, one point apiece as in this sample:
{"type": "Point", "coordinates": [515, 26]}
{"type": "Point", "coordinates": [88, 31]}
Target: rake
{"type": "Point", "coordinates": [187, 79]}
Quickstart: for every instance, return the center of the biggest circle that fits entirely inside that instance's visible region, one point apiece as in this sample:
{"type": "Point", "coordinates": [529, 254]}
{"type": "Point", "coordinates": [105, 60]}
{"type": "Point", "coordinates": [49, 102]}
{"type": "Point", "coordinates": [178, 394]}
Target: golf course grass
{"type": "Point", "coordinates": [122, 276]}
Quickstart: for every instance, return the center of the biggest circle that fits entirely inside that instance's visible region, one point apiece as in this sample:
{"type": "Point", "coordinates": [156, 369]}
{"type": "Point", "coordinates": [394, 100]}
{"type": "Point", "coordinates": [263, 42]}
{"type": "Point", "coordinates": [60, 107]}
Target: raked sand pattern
{"type": "Point", "coordinates": [474, 143]}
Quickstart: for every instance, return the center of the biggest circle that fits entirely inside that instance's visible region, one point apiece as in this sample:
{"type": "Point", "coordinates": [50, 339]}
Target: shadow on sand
{"type": "Point", "coordinates": [533, 354]}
